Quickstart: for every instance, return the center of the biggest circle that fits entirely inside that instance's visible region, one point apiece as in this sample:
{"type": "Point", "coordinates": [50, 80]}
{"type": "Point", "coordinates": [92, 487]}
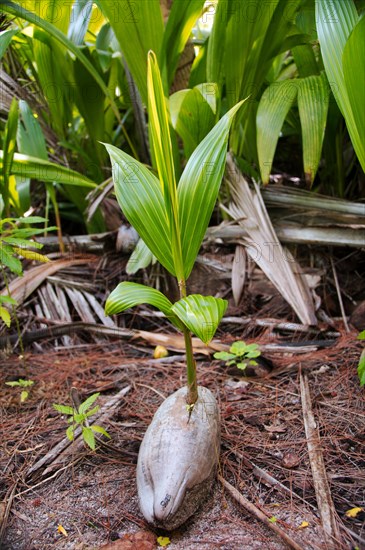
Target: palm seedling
{"type": "Point", "coordinates": [179, 452]}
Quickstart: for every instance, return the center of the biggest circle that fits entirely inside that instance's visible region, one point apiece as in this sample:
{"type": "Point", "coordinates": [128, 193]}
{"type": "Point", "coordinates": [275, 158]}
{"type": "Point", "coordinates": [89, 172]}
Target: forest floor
{"type": "Point", "coordinates": [61, 495]}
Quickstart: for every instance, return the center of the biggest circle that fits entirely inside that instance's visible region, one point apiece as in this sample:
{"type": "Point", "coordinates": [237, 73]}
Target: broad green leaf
{"type": "Point", "coordinates": [31, 142]}
{"type": "Point", "coordinates": [70, 432]}
{"type": "Point", "coordinates": [88, 402]}
{"type": "Point", "coordinates": [354, 72]}
{"type": "Point", "coordinates": [88, 437]}
{"type": "Point", "coordinates": [192, 116]}
{"type": "Point", "coordinates": [127, 295]}
{"type": "Point", "coordinates": [90, 103]}
{"type": "Point", "coordinates": [241, 366]}
{"type": "Point", "coordinates": [92, 411]}
{"type": "Point", "coordinates": [361, 369]}
{"type": "Point", "coordinates": [181, 20]}
{"type": "Point", "coordinates": [305, 60]}
{"type": "Point", "coordinates": [5, 316]}
{"type": "Point", "coordinates": [30, 138]}
{"type": "Point", "coordinates": [335, 23]}
{"type": "Point", "coordinates": [140, 197]}
{"type": "Point", "coordinates": [24, 396]}
{"type": "Point", "coordinates": [81, 13]}
{"type": "Point", "coordinates": [7, 300]}
{"type": "Point", "coordinates": [7, 259]}
{"type": "Point", "coordinates": [274, 106]}
{"type": "Point", "coordinates": [42, 170]}
{"type": "Point", "coordinates": [361, 335]}
{"type": "Point", "coordinates": [5, 39]}
{"type": "Point", "coordinates": [201, 314]}
{"type": "Point", "coordinates": [162, 154]}
{"type": "Point", "coordinates": [238, 348]}
{"type": "Point", "coordinates": [224, 355]}
{"type": "Point", "coordinates": [313, 99]}
{"type": "Point", "coordinates": [9, 142]}
{"type": "Point", "coordinates": [217, 44]}
{"type": "Point", "coordinates": [199, 185]}
{"type": "Point", "coordinates": [52, 30]}
{"type": "Point", "coordinates": [138, 27]}
{"type": "Point", "coordinates": [140, 258]}
{"type": "Point", "coordinates": [53, 69]}
{"type": "Point", "coordinates": [100, 430]}
{"type": "Point", "coordinates": [63, 409]}
{"type": "Point", "coordinates": [21, 242]}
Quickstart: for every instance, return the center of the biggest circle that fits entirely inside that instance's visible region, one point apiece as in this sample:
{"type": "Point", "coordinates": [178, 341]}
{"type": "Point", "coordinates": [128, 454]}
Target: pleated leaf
{"type": "Point", "coordinates": [201, 314]}
{"type": "Point", "coordinates": [354, 72]}
{"type": "Point", "coordinates": [140, 197]}
{"type": "Point", "coordinates": [42, 170]}
{"type": "Point", "coordinates": [138, 27]}
{"type": "Point", "coordinates": [141, 257]}
{"type": "Point", "coordinates": [127, 295]}
{"type": "Point", "coordinates": [313, 99]}
{"type": "Point", "coordinates": [30, 138]}
{"type": "Point", "coordinates": [274, 106]}
{"type": "Point", "coordinates": [335, 22]}
{"type": "Point", "coordinates": [19, 11]}
{"type": "Point", "coordinates": [9, 142]}
{"type": "Point", "coordinates": [181, 20]}
{"type": "Point", "coordinates": [5, 39]}
{"type": "Point", "coordinates": [162, 154]}
{"type": "Point", "coordinates": [192, 116]}
{"type": "Point", "coordinates": [199, 185]}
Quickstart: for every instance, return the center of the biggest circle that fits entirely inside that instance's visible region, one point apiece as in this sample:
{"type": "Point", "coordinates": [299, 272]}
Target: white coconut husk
{"type": "Point", "coordinates": [178, 458]}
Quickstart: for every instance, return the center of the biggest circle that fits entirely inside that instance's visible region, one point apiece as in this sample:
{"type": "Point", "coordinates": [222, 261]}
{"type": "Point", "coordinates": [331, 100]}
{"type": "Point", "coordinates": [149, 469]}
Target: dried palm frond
{"type": "Point", "coordinates": [264, 247]}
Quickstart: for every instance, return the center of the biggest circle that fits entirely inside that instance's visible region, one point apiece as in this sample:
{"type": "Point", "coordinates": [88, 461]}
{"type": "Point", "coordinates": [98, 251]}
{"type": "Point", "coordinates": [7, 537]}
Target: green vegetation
{"type": "Point", "coordinates": [361, 365]}
{"type": "Point", "coordinates": [240, 354]}
{"type": "Point", "coordinates": [21, 383]}
{"type": "Point", "coordinates": [172, 218]}
{"type": "Point", "coordinates": [79, 418]}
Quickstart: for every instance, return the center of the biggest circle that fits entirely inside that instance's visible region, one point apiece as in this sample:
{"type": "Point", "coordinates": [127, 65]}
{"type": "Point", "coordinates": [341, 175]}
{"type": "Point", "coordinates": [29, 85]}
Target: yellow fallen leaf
{"type": "Point", "coordinates": [353, 512]}
{"type": "Point", "coordinates": [273, 519]}
{"type": "Point", "coordinates": [303, 525]}
{"type": "Point", "coordinates": [160, 351]}
{"type": "Point", "coordinates": [163, 541]}
{"type": "Point", "coordinates": [62, 530]}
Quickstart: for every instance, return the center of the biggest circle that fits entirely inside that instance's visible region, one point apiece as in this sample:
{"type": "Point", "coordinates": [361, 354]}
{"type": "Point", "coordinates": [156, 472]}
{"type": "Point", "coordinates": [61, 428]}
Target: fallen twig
{"type": "Point", "coordinates": [269, 479]}
{"type": "Point", "coordinates": [320, 481]}
{"type": "Point", "coordinates": [259, 514]}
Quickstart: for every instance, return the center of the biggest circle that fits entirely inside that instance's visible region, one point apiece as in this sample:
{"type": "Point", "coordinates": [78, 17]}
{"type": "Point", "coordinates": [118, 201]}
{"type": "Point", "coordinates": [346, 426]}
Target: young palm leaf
{"type": "Point", "coordinates": [199, 185]}
{"type": "Point", "coordinates": [162, 154]}
{"type": "Point", "coordinates": [201, 314]}
{"type": "Point", "coordinates": [341, 37]}
{"type": "Point", "coordinates": [127, 295]}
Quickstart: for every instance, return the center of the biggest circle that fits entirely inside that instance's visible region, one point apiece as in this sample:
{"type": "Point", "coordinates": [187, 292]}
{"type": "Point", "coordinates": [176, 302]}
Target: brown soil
{"type": "Point", "coordinates": [83, 499]}
{"type": "Point", "coordinates": [92, 495]}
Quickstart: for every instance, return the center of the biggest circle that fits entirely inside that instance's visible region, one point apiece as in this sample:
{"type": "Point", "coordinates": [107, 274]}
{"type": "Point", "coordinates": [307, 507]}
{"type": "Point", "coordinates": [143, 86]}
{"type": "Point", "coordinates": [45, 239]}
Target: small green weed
{"type": "Point", "coordinates": [21, 383]}
{"type": "Point", "coordinates": [79, 418]}
{"type": "Point", "coordinates": [240, 354]}
{"type": "Point", "coordinates": [361, 365]}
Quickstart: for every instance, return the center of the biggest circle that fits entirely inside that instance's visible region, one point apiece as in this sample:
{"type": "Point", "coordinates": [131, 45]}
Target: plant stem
{"type": "Point", "coordinates": [192, 394]}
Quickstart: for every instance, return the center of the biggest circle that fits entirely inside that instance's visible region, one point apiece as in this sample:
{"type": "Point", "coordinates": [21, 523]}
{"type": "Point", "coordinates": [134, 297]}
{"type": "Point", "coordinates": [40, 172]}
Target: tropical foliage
{"type": "Point", "coordinates": [74, 75]}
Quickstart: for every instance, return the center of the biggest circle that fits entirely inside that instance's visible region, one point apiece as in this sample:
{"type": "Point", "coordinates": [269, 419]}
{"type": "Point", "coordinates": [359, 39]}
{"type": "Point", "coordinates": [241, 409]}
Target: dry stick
{"type": "Point", "coordinates": [340, 301]}
{"type": "Point", "coordinates": [259, 514]}
{"type": "Point", "coordinates": [268, 478]}
{"type": "Point", "coordinates": [5, 516]}
{"type": "Point", "coordinates": [320, 481]}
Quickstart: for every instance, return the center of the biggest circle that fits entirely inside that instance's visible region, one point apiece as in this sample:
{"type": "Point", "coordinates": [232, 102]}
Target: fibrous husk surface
{"type": "Point", "coordinates": [177, 459]}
